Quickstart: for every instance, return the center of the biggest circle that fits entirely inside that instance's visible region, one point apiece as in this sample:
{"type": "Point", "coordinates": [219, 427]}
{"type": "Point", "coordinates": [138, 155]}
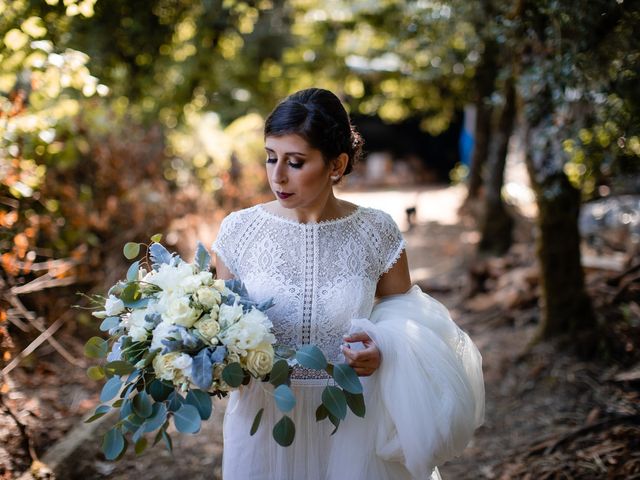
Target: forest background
{"type": "Point", "coordinates": [119, 120]}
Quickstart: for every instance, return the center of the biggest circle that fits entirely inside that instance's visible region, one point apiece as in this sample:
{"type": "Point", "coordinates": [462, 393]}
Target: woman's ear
{"type": "Point", "coordinates": [339, 165]}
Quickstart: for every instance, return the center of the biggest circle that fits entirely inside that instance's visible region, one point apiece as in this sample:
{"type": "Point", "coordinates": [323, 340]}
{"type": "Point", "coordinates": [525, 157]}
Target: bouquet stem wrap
{"type": "Point", "coordinates": [425, 400]}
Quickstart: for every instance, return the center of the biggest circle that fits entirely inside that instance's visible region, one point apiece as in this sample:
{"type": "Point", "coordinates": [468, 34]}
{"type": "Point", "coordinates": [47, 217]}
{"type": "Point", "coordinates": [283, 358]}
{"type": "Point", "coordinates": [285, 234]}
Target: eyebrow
{"type": "Point", "coordinates": [300, 154]}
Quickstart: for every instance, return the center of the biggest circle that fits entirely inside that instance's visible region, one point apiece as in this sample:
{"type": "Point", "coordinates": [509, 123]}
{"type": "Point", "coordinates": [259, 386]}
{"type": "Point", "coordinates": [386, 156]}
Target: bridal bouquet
{"type": "Point", "coordinates": [178, 337]}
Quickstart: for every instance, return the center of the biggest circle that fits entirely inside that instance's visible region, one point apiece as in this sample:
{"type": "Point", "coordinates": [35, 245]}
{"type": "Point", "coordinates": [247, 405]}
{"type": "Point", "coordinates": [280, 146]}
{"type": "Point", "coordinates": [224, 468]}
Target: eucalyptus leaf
{"type": "Point", "coordinates": [131, 250]}
{"type": "Point", "coordinates": [355, 401]}
{"type": "Point", "coordinates": [157, 418]}
{"type": "Point", "coordinates": [284, 398]}
{"type": "Point", "coordinates": [110, 389]}
{"type": "Point", "coordinates": [100, 411]}
{"type": "Point", "coordinates": [118, 367]}
{"type": "Point", "coordinates": [187, 419]}
{"type": "Point", "coordinates": [346, 377]}
{"type": "Point", "coordinates": [142, 405]}
{"type": "Point", "coordinates": [112, 444]}
{"type": "Point", "coordinates": [167, 440]}
{"type": "Point", "coordinates": [202, 369]}
{"type": "Point", "coordinates": [95, 373]}
{"type": "Point", "coordinates": [256, 422]}
{"type": "Point", "coordinates": [130, 294]}
{"type": "Point", "coordinates": [156, 238]}
{"type": "Point", "coordinates": [321, 413]}
{"type": "Point", "coordinates": [284, 431]}
{"type": "Point", "coordinates": [334, 400]}
{"type": "Point", "coordinates": [159, 390]}
{"type": "Point", "coordinates": [140, 446]}
{"type": "Point", "coordinates": [310, 356]}
{"type": "Point", "coordinates": [96, 347]}
{"type": "Point", "coordinates": [138, 434]}
{"type": "Point", "coordinates": [126, 409]}
{"type": "Point", "coordinates": [279, 373]}
{"type": "Point", "coordinates": [336, 422]}
{"type": "Point", "coordinates": [132, 272]}
{"type": "Point", "coordinates": [202, 401]}
{"type": "Point", "coordinates": [233, 374]}
{"type": "Point", "coordinates": [175, 401]}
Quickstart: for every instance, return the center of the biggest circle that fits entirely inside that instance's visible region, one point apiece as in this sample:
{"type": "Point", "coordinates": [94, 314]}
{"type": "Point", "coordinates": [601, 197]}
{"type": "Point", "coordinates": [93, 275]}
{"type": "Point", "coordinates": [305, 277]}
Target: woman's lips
{"type": "Point", "coordinates": [283, 195]}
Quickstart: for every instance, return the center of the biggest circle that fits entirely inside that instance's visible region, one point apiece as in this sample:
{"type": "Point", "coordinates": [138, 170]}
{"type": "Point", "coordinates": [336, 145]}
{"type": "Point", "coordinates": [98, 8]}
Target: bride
{"type": "Point", "coordinates": [325, 261]}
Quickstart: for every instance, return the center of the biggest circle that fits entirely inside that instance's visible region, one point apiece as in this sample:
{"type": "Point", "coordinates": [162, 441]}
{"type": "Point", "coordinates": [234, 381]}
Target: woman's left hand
{"type": "Point", "coordinates": [365, 361]}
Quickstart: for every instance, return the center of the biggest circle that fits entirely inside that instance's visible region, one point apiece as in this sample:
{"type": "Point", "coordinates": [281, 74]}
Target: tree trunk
{"type": "Point", "coordinates": [566, 307]}
{"type": "Point", "coordinates": [497, 224]}
{"type": "Point", "coordinates": [485, 81]}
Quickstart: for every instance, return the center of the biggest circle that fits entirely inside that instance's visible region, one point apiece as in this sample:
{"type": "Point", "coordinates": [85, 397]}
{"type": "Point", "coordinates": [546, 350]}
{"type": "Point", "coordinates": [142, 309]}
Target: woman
{"type": "Point", "coordinates": [323, 261]}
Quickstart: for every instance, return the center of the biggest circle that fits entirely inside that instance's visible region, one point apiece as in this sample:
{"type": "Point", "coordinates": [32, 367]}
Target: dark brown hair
{"type": "Point", "coordinates": [317, 115]}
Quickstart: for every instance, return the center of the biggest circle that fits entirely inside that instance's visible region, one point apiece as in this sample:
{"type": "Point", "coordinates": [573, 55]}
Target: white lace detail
{"type": "Point", "coordinates": [320, 275]}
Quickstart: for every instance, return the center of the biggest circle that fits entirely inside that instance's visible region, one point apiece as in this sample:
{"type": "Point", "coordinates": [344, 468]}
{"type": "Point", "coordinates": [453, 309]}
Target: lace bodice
{"type": "Point", "coordinates": [320, 275]}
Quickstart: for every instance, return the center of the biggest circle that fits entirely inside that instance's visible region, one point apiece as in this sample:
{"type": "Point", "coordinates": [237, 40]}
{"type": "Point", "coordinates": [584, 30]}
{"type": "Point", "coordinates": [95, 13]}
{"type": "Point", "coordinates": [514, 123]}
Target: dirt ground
{"type": "Point", "coordinates": [548, 414]}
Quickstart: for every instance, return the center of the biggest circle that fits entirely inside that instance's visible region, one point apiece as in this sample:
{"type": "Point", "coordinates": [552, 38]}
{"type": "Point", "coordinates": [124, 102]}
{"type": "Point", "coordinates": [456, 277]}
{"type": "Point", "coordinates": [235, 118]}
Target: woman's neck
{"type": "Point", "coordinates": [328, 208]}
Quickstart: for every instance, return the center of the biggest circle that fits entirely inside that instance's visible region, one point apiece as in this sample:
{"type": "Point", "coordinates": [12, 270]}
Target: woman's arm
{"type": "Point", "coordinates": [222, 271]}
{"type": "Point", "coordinates": [393, 282]}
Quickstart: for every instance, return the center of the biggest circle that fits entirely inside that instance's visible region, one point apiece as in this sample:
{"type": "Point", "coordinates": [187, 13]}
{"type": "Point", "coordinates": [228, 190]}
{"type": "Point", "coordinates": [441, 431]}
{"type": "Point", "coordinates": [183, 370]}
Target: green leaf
{"type": "Point", "coordinates": [141, 445]}
{"type": "Point", "coordinates": [175, 401]}
{"type": "Point", "coordinates": [118, 367]}
{"type": "Point", "coordinates": [233, 374]}
{"type": "Point", "coordinates": [138, 434]}
{"type": "Point", "coordinates": [284, 431]}
{"type": "Point", "coordinates": [118, 403]}
{"type": "Point", "coordinates": [133, 422]}
{"type": "Point", "coordinates": [159, 390]}
{"type": "Point", "coordinates": [333, 398]}
{"type": "Point", "coordinates": [156, 238]}
{"type": "Point", "coordinates": [321, 413]}
{"type": "Point", "coordinates": [256, 422]}
{"type": "Point", "coordinates": [187, 419]}
{"type": "Point", "coordinates": [112, 444]}
{"type": "Point", "coordinates": [346, 377]}
{"type": "Point", "coordinates": [157, 418]}
{"type": "Point", "coordinates": [109, 323]}
{"type": "Point", "coordinates": [95, 373]}
{"type": "Point", "coordinates": [132, 273]}
{"type": "Point", "coordinates": [312, 357]}
{"type": "Point", "coordinates": [279, 373]}
{"type": "Point", "coordinates": [110, 389]}
{"type": "Point", "coordinates": [126, 409]}
{"type": "Point", "coordinates": [100, 411]}
{"type": "Point", "coordinates": [96, 347]}
{"type": "Point", "coordinates": [284, 397]}
{"type": "Point", "coordinates": [131, 250]}
{"type": "Point", "coordinates": [355, 401]}
{"type": "Point", "coordinates": [142, 404]}
{"type": "Point", "coordinates": [167, 440]}
{"type": "Point", "coordinates": [335, 421]}
{"type": "Point", "coordinates": [130, 294]}
{"type": "Point", "coordinates": [202, 401]}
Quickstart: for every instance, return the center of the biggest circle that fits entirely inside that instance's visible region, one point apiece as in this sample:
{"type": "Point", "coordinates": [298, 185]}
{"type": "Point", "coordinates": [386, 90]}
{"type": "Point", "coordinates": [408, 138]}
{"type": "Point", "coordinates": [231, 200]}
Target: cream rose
{"type": "Point", "coordinates": [179, 312]}
{"type": "Point", "coordinates": [208, 327]}
{"type": "Point", "coordinates": [166, 369]}
{"type": "Point", "coordinates": [112, 306]}
{"type": "Point", "coordinates": [260, 360]}
{"type": "Point", "coordinates": [208, 297]}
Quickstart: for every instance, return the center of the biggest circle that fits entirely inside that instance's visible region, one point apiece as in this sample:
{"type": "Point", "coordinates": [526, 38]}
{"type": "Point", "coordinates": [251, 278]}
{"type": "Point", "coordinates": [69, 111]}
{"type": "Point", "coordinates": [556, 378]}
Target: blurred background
{"type": "Point", "coordinates": [503, 137]}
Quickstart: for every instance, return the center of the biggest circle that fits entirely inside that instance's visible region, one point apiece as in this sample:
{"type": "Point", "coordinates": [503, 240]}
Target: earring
{"type": "Point", "coordinates": [335, 178]}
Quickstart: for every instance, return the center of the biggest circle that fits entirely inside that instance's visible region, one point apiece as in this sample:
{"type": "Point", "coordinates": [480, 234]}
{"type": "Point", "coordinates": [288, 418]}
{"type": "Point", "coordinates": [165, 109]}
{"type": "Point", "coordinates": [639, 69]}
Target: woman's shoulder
{"type": "Point", "coordinates": [378, 218]}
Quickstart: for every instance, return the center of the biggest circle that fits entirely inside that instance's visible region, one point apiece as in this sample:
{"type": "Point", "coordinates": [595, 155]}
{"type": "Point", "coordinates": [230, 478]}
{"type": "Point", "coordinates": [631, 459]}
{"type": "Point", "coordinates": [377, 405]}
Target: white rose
{"type": "Point", "coordinates": [192, 282]}
{"type": "Point", "coordinates": [219, 285]}
{"type": "Point", "coordinates": [183, 363]}
{"type": "Point", "coordinates": [259, 360]}
{"type": "Point", "coordinates": [208, 296]}
{"type": "Point", "coordinates": [229, 314]}
{"type": "Point", "coordinates": [208, 327]}
{"type": "Point", "coordinates": [171, 278]}
{"type": "Point", "coordinates": [180, 313]}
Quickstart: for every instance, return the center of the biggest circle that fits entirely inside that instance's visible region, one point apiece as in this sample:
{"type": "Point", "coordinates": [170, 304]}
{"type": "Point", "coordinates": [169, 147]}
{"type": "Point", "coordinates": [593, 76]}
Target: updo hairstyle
{"type": "Point", "coordinates": [317, 115]}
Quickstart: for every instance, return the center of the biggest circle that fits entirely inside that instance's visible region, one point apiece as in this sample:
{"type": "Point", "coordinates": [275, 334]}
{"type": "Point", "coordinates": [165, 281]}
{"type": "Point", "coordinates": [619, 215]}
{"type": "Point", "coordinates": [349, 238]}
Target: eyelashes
{"type": "Point", "coordinates": [291, 164]}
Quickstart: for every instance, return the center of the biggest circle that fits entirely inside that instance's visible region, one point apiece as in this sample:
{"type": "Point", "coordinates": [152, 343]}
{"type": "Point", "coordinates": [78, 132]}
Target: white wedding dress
{"type": "Point", "coordinates": [424, 401]}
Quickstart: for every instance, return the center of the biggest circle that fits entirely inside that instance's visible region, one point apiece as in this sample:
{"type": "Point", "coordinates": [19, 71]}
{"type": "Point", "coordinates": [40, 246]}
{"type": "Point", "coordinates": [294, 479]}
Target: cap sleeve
{"type": "Point", "coordinates": [225, 244]}
{"type": "Point", "coordinates": [391, 242]}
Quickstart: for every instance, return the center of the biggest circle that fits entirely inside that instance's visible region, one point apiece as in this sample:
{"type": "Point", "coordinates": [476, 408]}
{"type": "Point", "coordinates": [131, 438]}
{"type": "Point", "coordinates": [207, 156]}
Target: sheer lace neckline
{"type": "Point", "coordinates": [266, 212]}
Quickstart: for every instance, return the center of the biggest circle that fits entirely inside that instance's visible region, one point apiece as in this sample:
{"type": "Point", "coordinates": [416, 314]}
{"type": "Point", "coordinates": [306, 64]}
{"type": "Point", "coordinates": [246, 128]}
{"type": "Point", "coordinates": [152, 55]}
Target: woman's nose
{"type": "Point", "coordinates": [278, 175]}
